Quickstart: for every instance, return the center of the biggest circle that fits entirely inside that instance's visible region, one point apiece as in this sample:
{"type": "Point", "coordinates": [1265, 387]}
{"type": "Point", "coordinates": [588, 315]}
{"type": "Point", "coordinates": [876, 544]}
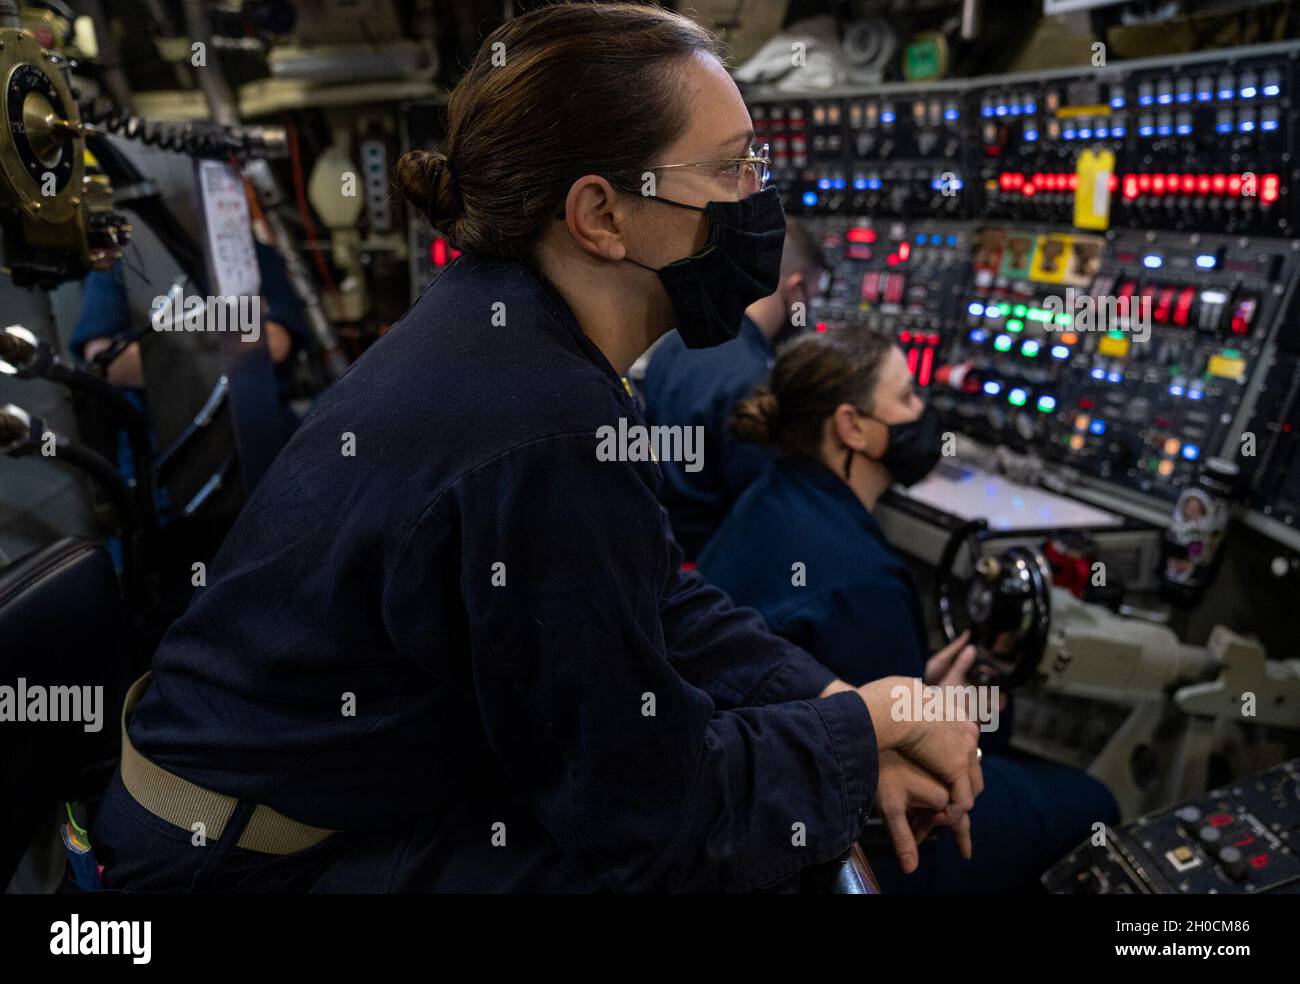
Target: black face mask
{"type": "Point", "coordinates": [740, 264]}
{"type": "Point", "coordinates": [914, 448]}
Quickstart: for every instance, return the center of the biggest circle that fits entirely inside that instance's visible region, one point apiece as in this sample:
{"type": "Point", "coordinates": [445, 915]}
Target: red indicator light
{"type": "Point", "coordinates": [892, 259]}
{"type": "Point", "coordinates": [904, 251]}
{"type": "Point", "coordinates": [1269, 193]}
{"type": "Point", "coordinates": [1245, 841]}
{"type": "Point", "coordinates": [1158, 184]}
{"type": "Point", "coordinates": [1144, 182]}
{"type": "Point", "coordinates": [1220, 183]}
{"type": "Point", "coordinates": [861, 234]}
{"type": "Point", "coordinates": [1130, 186]}
{"type": "Point", "coordinates": [1029, 191]}
{"type": "Point", "coordinates": [821, 326]}
{"type": "Point", "coordinates": [1203, 185]}
{"type": "Point", "coordinates": [1112, 182]}
{"type": "Point", "coordinates": [1259, 861]}
{"type": "Point", "coordinates": [1221, 820]}
{"type": "Point", "coordinates": [932, 338]}
{"type": "Point", "coordinates": [1189, 183]}
{"type": "Point", "coordinates": [912, 355]}
{"type": "Point", "coordinates": [927, 361]}
{"type": "Point", "coordinates": [1234, 184]}
{"type": "Point", "coordinates": [438, 252]}
{"type": "Point", "coordinates": [1073, 180]}
{"type": "Point", "coordinates": [904, 337]}
{"type": "Point", "coordinates": [1004, 180]}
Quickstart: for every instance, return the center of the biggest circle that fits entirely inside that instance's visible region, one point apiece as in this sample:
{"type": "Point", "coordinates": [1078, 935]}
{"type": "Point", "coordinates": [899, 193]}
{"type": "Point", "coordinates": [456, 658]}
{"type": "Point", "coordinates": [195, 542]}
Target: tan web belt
{"type": "Point", "coordinates": [185, 804]}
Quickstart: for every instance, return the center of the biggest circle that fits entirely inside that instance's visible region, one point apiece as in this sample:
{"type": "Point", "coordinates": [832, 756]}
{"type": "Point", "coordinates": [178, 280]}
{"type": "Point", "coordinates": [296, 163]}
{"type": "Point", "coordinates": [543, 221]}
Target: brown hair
{"type": "Point", "coordinates": [812, 376]}
{"type": "Point", "coordinates": [556, 93]}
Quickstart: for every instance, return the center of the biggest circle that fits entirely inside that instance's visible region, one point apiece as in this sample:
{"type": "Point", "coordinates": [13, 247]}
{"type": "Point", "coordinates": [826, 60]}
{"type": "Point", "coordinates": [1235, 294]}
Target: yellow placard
{"type": "Point", "coordinates": [1226, 367]}
{"type": "Point", "coordinates": [1115, 348]}
{"type": "Point", "coordinates": [1051, 258]}
{"type": "Point", "coordinates": [1092, 189]}
{"type": "Point", "coordinates": [1066, 112]}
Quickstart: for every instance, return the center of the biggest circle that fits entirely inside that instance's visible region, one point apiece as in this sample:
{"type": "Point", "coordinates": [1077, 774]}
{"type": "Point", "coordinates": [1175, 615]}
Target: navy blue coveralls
{"type": "Point", "coordinates": [507, 613]}
{"type": "Point", "coordinates": [859, 613]}
{"type": "Point", "coordinates": [700, 387]}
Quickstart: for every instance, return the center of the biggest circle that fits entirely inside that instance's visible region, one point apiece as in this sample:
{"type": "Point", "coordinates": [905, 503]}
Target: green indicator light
{"type": "Point", "coordinates": [1002, 343]}
{"type": "Point", "coordinates": [1017, 398]}
{"type": "Point", "coordinates": [1115, 334]}
{"type": "Point", "coordinates": [1015, 324]}
{"type": "Point", "coordinates": [1038, 314]}
{"type": "Point", "coordinates": [1005, 308]}
{"type": "Point", "coordinates": [1019, 310]}
{"type": "Point", "coordinates": [1065, 319]}
{"type": "Point", "coordinates": [1232, 353]}
{"type": "Point", "coordinates": [1046, 404]}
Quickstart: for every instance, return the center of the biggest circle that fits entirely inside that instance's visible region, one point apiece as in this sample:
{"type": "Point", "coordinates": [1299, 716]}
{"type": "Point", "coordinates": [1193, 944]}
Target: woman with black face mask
{"type": "Point", "coordinates": [802, 547]}
{"type": "Point", "coordinates": [448, 645]}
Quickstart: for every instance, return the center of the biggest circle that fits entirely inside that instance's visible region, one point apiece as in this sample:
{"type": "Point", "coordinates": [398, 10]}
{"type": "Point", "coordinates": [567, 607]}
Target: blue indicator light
{"type": "Point", "coordinates": [1000, 111]}
{"type": "Point", "coordinates": [860, 183]}
{"type": "Point", "coordinates": [1164, 129]}
{"type": "Point", "coordinates": [1068, 134]}
{"type": "Point", "coordinates": [950, 114]}
{"type": "Point", "coordinates": [874, 184]}
{"type": "Point", "coordinates": [1165, 99]}
{"type": "Point", "coordinates": [1031, 107]}
{"type": "Point", "coordinates": [1118, 131]}
{"type": "Point", "coordinates": [1031, 135]}
{"type": "Point", "coordinates": [824, 184]}
{"type": "Point", "coordinates": [1146, 130]}
{"type": "Point", "coordinates": [1184, 129]}
{"type": "Point", "coordinates": [810, 198]}
{"type": "Point", "coordinates": [1175, 390]}
{"type": "Point", "coordinates": [952, 239]}
{"type": "Point", "coordinates": [1015, 110]}
{"type": "Point", "coordinates": [1204, 95]}
{"type": "Point", "coordinates": [1029, 348]}
{"type": "Point", "coordinates": [1152, 261]}
{"type": "Point", "coordinates": [1117, 102]}
{"type": "Point", "coordinates": [1191, 452]}
{"type": "Point", "coordinates": [1047, 403]}
{"type": "Point", "coordinates": [1249, 92]}
{"type": "Point", "coordinates": [1098, 373]}
{"type": "Point", "coordinates": [1115, 377]}
{"type": "Point", "coordinates": [838, 183]}
{"type": "Point", "coordinates": [1268, 125]}
{"type": "Point", "coordinates": [1017, 396]}
{"type": "Point", "coordinates": [992, 388]}
{"type": "Point", "coordinates": [979, 336]}
{"type": "Point", "coordinates": [1272, 90]}
{"type": "Point", "coordinates": [1102, 132]}
{"type": "Point", "coordinates": [1097, 427]}
{"type": "Point", "coordinates": [1207, 261]}
{"type": "Point", "coordinates": [1184, 97]}
{"type": "Point", "coordinates": [976, 309]}
{"type": "Point", "coordinates": [887, 116]}
{"type": "Point", "coordinates": [1145, 100]}
{"type": "Point", "coordinates": [922, 239]}
{"type": "Point", "coordinates": [1060, 351]}
{"type": "Point", "coordinates": [1246, 126]}
{"type": "Point", "coordinates": [1225, 93]}
{"type": "Point", "coordinates": [1085, 134]}
{"type": "Point", "coordinates": [1224, 127]}
{"type": "Point", "coordinates": [1194, 394]}
{"type": "Point", "coordinates": [986, 111]}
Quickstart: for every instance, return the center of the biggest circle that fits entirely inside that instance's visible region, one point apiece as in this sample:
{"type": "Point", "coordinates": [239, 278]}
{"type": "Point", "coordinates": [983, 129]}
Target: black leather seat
{"type": "Point", "coordinates": [61, 625]}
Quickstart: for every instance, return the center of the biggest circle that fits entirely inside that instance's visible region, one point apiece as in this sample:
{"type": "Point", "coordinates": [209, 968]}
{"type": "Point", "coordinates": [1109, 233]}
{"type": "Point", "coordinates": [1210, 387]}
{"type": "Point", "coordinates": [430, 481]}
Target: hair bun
{"type": "Point", "coordinates": [423, 178]}
{"type": "Point", "coordinates": [755, 418]}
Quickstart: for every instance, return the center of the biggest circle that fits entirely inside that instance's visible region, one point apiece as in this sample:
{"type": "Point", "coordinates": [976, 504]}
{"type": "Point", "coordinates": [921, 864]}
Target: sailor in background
{"type": "Point", "coordinates": [844, 411]}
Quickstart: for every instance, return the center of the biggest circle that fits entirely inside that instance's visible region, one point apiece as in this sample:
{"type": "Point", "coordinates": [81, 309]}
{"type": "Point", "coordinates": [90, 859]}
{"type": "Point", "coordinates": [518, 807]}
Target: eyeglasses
{"type": "Point", "coordinates": [752, 173]}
